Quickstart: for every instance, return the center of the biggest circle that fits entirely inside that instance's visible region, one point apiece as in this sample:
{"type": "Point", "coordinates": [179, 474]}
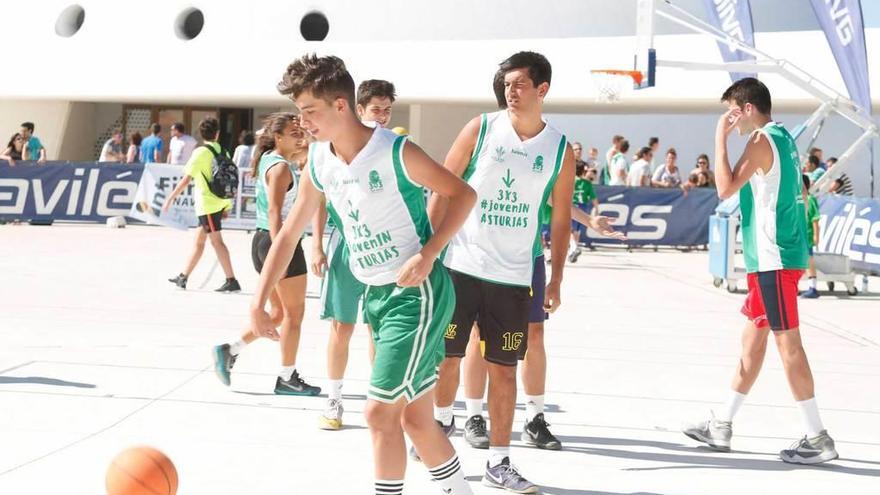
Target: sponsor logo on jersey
{"type": "Point", "coordinates": [499, 154]}
{"type": "Point", "coordinates": [538, 166]}
{"type": "Point", "coordinates": [375, 181]}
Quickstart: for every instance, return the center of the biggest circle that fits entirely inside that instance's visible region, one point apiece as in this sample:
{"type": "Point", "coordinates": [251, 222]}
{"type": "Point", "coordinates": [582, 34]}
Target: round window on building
{"type": "Point", "coordinates": [189, 23]}
{"type": "Point", "coordinates": [70, 21]}
{"type": "Point", "coordinates": [314, 26]}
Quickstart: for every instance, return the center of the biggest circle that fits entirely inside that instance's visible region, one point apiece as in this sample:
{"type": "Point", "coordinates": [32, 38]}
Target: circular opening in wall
{"type": "Point", "coordinates": [314, 26]}
{"type": "Point", "coordinates": [189, 23]}
{"type": "Point", "coordinates": [70, 21]}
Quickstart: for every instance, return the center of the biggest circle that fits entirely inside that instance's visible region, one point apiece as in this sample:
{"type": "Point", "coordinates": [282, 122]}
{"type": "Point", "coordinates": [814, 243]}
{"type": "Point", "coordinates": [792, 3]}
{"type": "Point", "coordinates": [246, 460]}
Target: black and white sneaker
{"type": "Point", "coordinates": [573, 257]}
{"type": "Point", "coordinates": [230, 286]}
{"type": "Point", "coordinates": [537, 432]}
{"type": "Point", "coordinates": [505, 476]}
{"type": "Point", "coordinates": [179, 281]}
{"type": "Point", "coordinates": [295, 386]}
{"type": "Point", "coordinates": [475, 432]}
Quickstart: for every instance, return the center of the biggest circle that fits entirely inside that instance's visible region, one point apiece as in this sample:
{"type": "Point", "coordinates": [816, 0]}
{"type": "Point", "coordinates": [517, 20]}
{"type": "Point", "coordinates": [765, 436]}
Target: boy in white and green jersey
{"type": "Point", "coordinates": [342, 293]}
{"type": "Point", "coordinates": [371, 180]}
{"type": "Point", "coordinates": [775, 247]}
{"type": "Point", "coordinates": [515, 161]}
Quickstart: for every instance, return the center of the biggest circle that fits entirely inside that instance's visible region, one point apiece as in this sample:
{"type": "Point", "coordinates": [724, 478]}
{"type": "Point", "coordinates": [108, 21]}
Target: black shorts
{"type": "Point", "coordinates": [212, 223]}
{"type": "Point", "coordinates": [500, 311]}
{"type": "Point", "coordinates": [260, 249]}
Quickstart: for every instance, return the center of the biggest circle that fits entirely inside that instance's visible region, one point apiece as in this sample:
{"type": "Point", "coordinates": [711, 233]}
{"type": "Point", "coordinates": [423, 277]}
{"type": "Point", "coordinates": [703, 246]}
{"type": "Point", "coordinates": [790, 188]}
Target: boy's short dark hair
{"type": "Point", "coordinates": [624, 146]}
{"type": "Point", "coordinates": [326, 78]}
{"type": "Point", "coordinates": [671, 151]}
{"type": "Point", "coordinates": [155, 128]}
{"type": "Point", "coordinates": [374, 88]}
{"type": "Point", "coordinates": [179, 127]}
{"type": "Point", "coordinates": [29, 126]}
{"type": "Point", "coordinates": [208, 128]}
{"type": "Point", "coordinates": [538, 66]}
{"type": "Point", "coordinates": [813, 159]}
{"type": "Point", "coordinates": [749, 90]}
{"type": "Point", "coordinates": [498, 89]}
{"type": "Point", "coordinates": [248, 139]}
{"type": "Point", "coordinates": [653, 140]}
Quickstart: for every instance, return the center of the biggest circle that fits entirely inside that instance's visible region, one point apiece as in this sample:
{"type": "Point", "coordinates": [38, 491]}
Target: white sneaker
{"type": "Point", "coordinates": [712, 432]}
{"type": "Point", "coordinates": [811, 450]}
{"type": "Point", "coordinates": [331, 418]}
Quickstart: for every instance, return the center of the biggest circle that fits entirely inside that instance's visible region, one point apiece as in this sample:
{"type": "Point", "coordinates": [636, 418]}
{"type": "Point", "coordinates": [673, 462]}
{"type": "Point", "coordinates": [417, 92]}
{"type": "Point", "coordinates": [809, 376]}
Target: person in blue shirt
{"type": "Point", "coordinates": [151, 147]}
{"type": "Point", "coordinates": [33, 148]}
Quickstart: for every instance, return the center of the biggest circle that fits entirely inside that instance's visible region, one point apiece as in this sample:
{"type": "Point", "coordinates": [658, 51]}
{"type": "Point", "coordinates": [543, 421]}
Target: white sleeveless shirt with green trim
{"type": "Point", "coordinates": [513, 180]}
{"type": "Point", "coordinates": [774, 224]}
{"type": "Point", "coordinates": [379, 208]}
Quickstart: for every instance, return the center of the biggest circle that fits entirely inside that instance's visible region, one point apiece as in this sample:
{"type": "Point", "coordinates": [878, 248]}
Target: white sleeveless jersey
{"type": "Point", "coordinates": [513, 180]}
{"type": "Point", "coordinates": [379, 209]}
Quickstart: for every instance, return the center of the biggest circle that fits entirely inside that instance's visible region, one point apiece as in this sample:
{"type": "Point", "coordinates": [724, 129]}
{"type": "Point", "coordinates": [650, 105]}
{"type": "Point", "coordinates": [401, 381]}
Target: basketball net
{"type": "Point", "coordinates": [611, 85]}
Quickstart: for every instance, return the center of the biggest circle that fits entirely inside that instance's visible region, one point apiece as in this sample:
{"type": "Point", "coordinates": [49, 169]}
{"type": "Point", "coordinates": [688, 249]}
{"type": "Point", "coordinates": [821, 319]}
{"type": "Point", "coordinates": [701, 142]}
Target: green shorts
{"type": "Point", "coordinates": [408, 328]}
{"type": "Point", "coordinates": [341, 293]}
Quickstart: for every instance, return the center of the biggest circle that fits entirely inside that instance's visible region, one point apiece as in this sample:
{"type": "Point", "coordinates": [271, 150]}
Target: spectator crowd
{"type": "Point", "coordinates": [644, 166]}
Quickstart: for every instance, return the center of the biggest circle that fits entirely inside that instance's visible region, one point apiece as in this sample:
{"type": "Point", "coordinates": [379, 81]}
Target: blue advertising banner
{"type": "Point", "coordinates": [658, 217]}
{"type": "Point", "coordinates": [842, 22]}
{"type": "Point", "coordinates": [67, 191]}
{"type": "Point", "coordinates": [851, 227]}
{"type": "Point", "coordinates": [734, 17]}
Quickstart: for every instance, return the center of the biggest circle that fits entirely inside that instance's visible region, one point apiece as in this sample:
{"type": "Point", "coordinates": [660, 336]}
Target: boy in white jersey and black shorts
{"type": "Point", "coordinates": [536, 430]}
{"type": "Point", "coordinates": [372, 182]}
{"type": "Point", "coordinates": [775, 248]}
{"type": "Point", "coordinates": [516, 162]}
{"type": "Point", "coordinates": [342, 293]}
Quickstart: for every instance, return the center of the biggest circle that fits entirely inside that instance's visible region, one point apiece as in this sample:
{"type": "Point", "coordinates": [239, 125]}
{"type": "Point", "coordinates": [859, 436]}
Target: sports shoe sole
{"type": "Point", "coordinates": [707, 441]}
{"type": "Point", "coordinates": [329, 424]}
{"type": "Point", "coordinates": [819, 459]}
{"type": "Point", "coordinates": [491, 484]}
{"type": "Point", "coordinates": [550, 446]}
{"type": "Point", "coordinates": [298, 394]}
{"type": "Point", "coordinates": [482, 445]}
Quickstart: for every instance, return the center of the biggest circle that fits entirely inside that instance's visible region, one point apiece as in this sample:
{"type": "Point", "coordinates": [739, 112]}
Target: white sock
{"type": "Point", "coordinates": [286, 372]}
{"type": "Point", "coordinates": [443, 414]}
{"type": "Point", "coordinates": [534, 406]}
{"type": "Point", "coordinates": [236, 347]}
{"type": "Point", "coordinates": [474, 407]}
{"type": "Point", "coordinates": [731, 406]}
{"type": "Point", "coordinates": [335, 389]}
{"type": "Point", "coordinates": [812, 282]}
{"type": "Point", "coordinates": [810, 416]}
{"type": "Point", "coordinates": [497, 454]}
{"type": "Point", "coordinates": [572, 246]}
{"type": "Point", "coordinates": [450, 477]}
{"type": "Point", "coordinates": [389, 487]}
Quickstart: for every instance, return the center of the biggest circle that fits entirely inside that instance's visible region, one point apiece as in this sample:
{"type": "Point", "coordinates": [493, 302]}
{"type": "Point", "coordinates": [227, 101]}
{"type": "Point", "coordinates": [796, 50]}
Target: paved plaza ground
{"type": "Point", "coordinates": [100, 352]}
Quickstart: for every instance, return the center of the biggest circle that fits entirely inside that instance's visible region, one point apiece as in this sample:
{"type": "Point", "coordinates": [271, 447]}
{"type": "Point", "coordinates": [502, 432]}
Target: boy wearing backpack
{"type": "Point", "coordinates": [210, 208]}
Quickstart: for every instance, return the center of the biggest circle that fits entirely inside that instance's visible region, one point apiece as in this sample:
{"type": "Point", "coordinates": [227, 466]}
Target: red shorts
{"type": "Point", "coordinates": [772, 299]}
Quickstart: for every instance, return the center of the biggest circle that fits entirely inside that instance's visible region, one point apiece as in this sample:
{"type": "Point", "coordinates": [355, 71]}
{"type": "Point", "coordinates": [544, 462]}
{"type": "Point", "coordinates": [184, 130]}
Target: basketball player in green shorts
{"type": "Point", "coordinates": [341, 292]}
{"type": "Point", "coordinates": [372, 182]}
{"type": "Point", "coordinates": [775, 247]}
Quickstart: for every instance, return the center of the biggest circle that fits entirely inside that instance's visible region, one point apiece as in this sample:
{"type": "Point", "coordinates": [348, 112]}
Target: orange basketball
{"type": "Point", "coordinates": [141, 471]}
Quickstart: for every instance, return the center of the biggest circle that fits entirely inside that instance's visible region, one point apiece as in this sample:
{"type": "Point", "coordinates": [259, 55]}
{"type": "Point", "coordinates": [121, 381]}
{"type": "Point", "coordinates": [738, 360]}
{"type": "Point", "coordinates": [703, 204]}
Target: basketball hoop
{"type": "Point", "coordinates": [612, 84]}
